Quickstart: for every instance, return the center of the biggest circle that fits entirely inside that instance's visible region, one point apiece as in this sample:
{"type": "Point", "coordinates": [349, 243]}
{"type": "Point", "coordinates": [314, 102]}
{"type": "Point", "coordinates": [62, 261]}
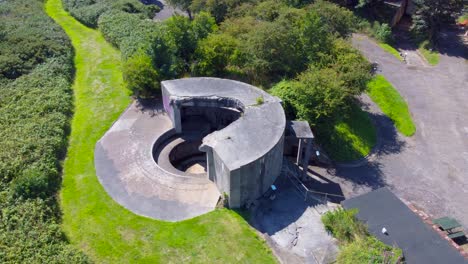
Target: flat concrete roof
{"type": "Point", "coordinates": [420, 244]}
{"type": "Point", "coordinates": [300, 129]}
{"type": "Point", "coordinates": [256, 132]}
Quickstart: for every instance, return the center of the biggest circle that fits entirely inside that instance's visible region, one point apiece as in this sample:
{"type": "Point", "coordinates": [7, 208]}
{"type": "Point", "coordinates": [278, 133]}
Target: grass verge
{"type": "Point", "coordinates": [104, 230]}
{"type": "Point", "coordinates": [432, 57]}
{"type": "Point", "coordinates": [392, 104]}
{"type": "Point", "coordinates": [349, 138]}
{"type": "Point", "coordinates": [390, 50]}
{"type": "Point", "coordinates": [357, 245]}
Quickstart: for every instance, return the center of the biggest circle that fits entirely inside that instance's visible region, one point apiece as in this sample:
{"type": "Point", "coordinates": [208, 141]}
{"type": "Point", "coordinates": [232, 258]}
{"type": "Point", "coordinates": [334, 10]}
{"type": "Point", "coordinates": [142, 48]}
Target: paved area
{"type": "Point", "coordinates": [166, 10]}
{"type": "Point", "coordinates": [292, 226]}
{"type": "Point", "coordinates": [429, 169]}
{"type": "Point", "coordinates": [127, 171]}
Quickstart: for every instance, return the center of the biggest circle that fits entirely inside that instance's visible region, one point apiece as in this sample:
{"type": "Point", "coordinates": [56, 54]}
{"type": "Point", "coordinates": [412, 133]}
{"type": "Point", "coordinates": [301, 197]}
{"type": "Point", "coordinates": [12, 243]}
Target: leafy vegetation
{"type": "Point", "coordinates": [89, 11]}
{"type": "Point", "coordinates": [430, 15]}
{"type": "Point", "coordinates": [36, 70]}
{"type": "Point", "coordinates": [94, 222]}
{"type": "Point", "coordinates": [260, 42]}
{"type": "Point", "coordinates": [357, 246]}
{"type": "Point", "coordinates": [392, 104]}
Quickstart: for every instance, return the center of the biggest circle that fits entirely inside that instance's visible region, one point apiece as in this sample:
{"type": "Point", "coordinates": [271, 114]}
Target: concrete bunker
{"type": "Point", "coordinates": [242, 140]}
{"type": "Point", "coordinates": [207, 137]}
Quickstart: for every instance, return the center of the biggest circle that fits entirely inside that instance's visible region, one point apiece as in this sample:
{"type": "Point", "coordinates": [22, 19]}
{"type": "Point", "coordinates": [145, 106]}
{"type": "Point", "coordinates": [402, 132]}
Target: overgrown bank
{"type": "Point", "coordinates": [357, 245]}
{"type": "Point", "coordinates": [36, 71]}
{"type": "Point", "coordinates": [94, 222]}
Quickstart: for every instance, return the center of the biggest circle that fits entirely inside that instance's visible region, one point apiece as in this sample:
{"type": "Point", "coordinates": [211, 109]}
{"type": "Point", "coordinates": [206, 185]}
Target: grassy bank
{"type": "Point", "coordinates": [390, 50]}
{"type": "Point", "coordinates": [392, 104]}
{"type": "Point", "coordinates": [104, 230]}
{"type": "Point", "coordinates": [356, 244]}
{"type": "Point", "coordinates": [350, 138]}
{"type": "Point", "coordinates": [431, 56]}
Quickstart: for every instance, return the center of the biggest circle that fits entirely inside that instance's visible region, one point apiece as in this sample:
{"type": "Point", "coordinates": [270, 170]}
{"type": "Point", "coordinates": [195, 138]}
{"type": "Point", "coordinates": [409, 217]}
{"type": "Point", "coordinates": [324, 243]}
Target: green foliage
{"type": "Point", "coordinates": [392, 104]}
{"type": "Point", "coordinates": [357, 245]}
{"type": "Point", "coordinates": [343, 225]}
{"type": "Point", "coordinates": [338, 20]}
{"type": "Point", "coordinates": [214, 54]}
{"type": "Point", "coordinates": [369, 250]}
{"type": "Point", "coordinates": [30, 233]}
{"type": "Point", "coordinates": [27, 38]}
{"type": "Point", "coordinates": [314, 96]}
{"type": "Point", "coordinates": [141, 78]}
{"type": "Point", "coordinates": [89, 11]}
{"type": "Point", "coordinates": [382, 32]}
{"type": "Point", "coordinates": [35, 105]}
{"type": "Point", "coordinates": [116, 25]}
{"type": "Point", "coordinates": [430, 15]}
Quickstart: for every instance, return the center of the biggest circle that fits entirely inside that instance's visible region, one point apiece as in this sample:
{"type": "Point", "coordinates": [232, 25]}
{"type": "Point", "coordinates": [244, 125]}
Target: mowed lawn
{"type": "Point", "coordinates": [92, 221]}
{"type": "Point", "coordinates": [392, 104]}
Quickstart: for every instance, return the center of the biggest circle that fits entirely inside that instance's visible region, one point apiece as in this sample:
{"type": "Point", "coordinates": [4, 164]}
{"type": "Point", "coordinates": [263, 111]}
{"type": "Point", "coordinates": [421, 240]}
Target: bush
{"type": "Point", "coordinates": [382, 32]}
{"type": "Point", "coordinates": [214, 54]}
{"type": "Point", "coordinates": [369, 250]}
{"type": "Point", "coordinates": [344, 225]}
{"type": "Point", "coordinates": [35, 106]}
{"type": "Point", "coordinates": [141, 78]}
{"type": "Point", "coordinates": [116, 26]}
{"type": "Point", "coordinates": [35, 183]}
{"type": "Point", "coordinates": [89, 11]}
{"type": "Point", "coordinates": [336, 19]}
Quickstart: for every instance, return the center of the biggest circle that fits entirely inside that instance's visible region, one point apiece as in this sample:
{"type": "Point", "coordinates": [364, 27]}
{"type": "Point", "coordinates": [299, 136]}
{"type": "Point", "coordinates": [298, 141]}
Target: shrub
{"type": "Point", "coordinates": [214, 54]}
{"type": "Point", "coordinates": [89, 11]}
{"type": "Point", "coordinates": [35, 183]}
{"type": "Point", "coordinates": [382, 32]}
{"type": "Point", "coordinates": [116, 25]}
{"type": "Point", "coordinates": [337, 19]}
{"type": "Point", "coordinates": [369, 250]}
{"type": "Point", "coordinates": [344, 225]}
{"type": "Point", "coordinates": [141, 78]}
{"type": "Point", "coordinates": [35, 106]}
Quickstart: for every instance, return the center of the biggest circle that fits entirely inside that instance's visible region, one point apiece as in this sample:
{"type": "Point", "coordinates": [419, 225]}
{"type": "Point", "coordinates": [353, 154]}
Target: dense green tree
{"type": "Point", "coordinates": [214, 54]}
{"type": "Point", "coordinates": [315, 95]}
{"type": "Point", "coordinates": [141, 78]}
{"type": "Point", "coordinates": [430, 15]}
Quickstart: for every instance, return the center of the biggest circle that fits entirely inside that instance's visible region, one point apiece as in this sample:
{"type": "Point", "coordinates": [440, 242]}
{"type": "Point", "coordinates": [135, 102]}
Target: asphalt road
{"type": "Point", "coordinates": [429, 169]}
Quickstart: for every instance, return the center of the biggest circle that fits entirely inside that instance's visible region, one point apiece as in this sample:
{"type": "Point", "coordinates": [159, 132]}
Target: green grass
{"type": "Point", "coordinates": [390, 50]}
{"type": "Point", "coordinates": [392, 104]}
{"type": "Point", "coordinates": [356, 244]}
{"type": "Point", "coordinates": [92, 221]}
{"type": "Point", "coordinates": [432, 57]}
{"type": "Point", "coordinates": [350, 138]}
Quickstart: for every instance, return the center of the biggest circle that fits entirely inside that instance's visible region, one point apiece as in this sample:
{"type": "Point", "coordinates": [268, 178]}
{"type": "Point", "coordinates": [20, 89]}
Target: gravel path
{"type": "Point", "coordinates": [429, 169]}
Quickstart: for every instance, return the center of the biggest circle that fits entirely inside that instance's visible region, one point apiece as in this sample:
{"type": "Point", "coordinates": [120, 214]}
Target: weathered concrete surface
{"type": "Point", "coordinates": [293, 227]}
{"type": "Point", "coordinates": [125, 167]}
{"type": "Point", "coordinates": [429, 169]}
{"type": "Point", "coordinates": [244, 158]}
